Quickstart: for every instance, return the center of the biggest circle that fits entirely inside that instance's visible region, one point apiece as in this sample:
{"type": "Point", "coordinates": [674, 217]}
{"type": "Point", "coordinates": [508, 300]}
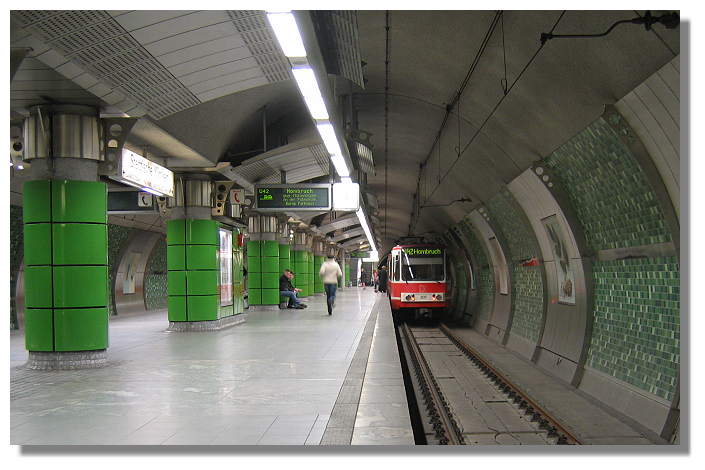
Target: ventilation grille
{"type": "Point", "coordinates": [95, 41]}
{"type": "Point", "coordinates": [339, 36]}
{"type": "Point", "coordinates": [254, 29]}
{"type": "Point", "coordinates": [321, 155]}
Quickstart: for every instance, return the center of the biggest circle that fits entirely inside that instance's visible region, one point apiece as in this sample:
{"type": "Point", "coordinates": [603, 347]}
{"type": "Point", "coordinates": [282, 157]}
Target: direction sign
{"type": "Point", "coordinates": [292, 197]}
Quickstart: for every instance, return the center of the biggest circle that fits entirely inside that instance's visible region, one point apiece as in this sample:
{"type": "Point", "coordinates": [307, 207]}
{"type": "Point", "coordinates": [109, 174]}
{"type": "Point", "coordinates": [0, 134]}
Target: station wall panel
{"type": "Point", "coordinates": [527, 281]}
{"type": "Point", "coordinates": [635, 331]}
{"type": "Point", "coordinates": [155, 277]}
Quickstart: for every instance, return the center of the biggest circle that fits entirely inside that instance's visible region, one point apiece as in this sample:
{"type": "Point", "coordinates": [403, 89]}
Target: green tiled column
{"type": "Point", "coordinates": [238, 277]}
{"type": "Point", "coordinates": [300, 263]}
{"type": "Point", "coordinates": [284, 262]}
{"type": "Point", "coordinates": [317, 281]}
{"type": "Point", "coordinates": [270, 272]}
{"type": "Point", "coordinates": [192, 263]}
{"type": "Point", "coordinates": [66, 258]}
{"type": "Point", "coordinates": [311, 274]}
{"type": "Point", "coordinates": [254, 272]}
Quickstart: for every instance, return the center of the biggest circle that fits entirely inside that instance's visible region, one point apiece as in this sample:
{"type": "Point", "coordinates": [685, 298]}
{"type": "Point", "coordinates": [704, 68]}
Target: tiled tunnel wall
{"type": "Point", "coordinates": [118, 237]}
{"type": "Point", "coordinates": [637, 302]}
{"type": "Point", "coordinates": [16, 249]}
{"type": "Point", "coordinates": [155, 274]}
{"type": "Point", "coordinates": [527, 282]}
{"type": "Point", "coordinates": [484, 276]}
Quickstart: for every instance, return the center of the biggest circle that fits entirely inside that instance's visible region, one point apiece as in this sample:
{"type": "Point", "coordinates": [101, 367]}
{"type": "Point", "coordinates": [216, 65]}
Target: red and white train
{"type": "Point", "coordinates": [417, 285]}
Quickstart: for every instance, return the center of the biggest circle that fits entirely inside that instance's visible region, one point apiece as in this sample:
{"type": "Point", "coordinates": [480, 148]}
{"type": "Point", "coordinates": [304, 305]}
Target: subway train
{"type": "Point", "coordinates": [417, 286]}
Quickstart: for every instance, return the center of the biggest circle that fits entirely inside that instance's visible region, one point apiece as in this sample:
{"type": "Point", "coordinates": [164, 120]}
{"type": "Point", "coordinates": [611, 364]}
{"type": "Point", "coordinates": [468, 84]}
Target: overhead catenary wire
{"type": "Point", "coordinates": [494, 109]}
{"type": "Point", "coordinates": [386, 119]}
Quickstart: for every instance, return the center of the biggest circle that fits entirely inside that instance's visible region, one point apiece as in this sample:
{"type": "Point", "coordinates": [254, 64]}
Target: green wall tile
{"type": "Point", "coordinates": [176, 281]}
{"type": "Point", "coordinates": [284, 251]}
{"type": "Point", "coordinates": [254, 265]}
{"type": "Point", "coordinates": [201, 282]}
{"type": "Point", "coordinates": [254, 280]}
{"type": "Point", "coordinates": [202, 232]}
{"type": "Point", "coordinates": [253, 249]}
{"type": "Point", "coordinates": [176, 257]}
{"type": "Point", "coordinates": [270, 248]}
{"type": "Point", "coordinates": [270, 296]}
{"type": "Point", "coordinates": [38, 329]}
{"type": "Point", "coordinates": [80, 244]}
{"type": "Point", "coordinates": [202, 307]}
{"type": "Point", "coordinates": [36, 201]}
{"type": "Point", "coordinates": [37, 244]}
{"type": "Point", "coordinates": [80, 286]}
{"type": "Point", "coordinates": [254, 296]}
{"type": "Point", "coordinates": [38, 288]}
{"type": "Point", "coordinates": [79, 201]}
{"type": "Point", "coordinates": [81, 329]}
{"type": "Point", "coordinates": [176, 306]}
{"type": "Point", "coordinates": [201, 257]}
{"type": "Point", "coordinates": [270, 280]}
{"type": "Point", "coordinates": [176, 232]}
{"type": "Point", "coordinates": [270, 265]}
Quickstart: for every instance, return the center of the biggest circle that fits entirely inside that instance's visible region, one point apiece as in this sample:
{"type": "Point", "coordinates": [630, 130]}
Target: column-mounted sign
{"type": "Point", "coordinates": [237, 196]}
{"type": "Point", "coordinates": [139, 172]}
{"type": "Point", "coordinates": [292, 197]}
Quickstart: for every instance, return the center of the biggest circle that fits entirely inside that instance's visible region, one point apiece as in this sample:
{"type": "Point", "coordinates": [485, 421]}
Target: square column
{"type": "Point", "coordinates": [193, 271]}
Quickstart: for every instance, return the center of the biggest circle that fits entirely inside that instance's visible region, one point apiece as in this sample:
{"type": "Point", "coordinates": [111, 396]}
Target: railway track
{"type": "Point", "coordinates": [463, 400]}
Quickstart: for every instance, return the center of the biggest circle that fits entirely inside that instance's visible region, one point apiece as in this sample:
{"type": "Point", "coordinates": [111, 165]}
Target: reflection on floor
{"type": "Point", "coordinates": [272, 380]}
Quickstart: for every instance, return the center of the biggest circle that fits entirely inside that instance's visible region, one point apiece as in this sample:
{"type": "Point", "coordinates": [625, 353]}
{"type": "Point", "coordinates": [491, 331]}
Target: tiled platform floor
{"type": "Point", "coordinates": [272, 380]}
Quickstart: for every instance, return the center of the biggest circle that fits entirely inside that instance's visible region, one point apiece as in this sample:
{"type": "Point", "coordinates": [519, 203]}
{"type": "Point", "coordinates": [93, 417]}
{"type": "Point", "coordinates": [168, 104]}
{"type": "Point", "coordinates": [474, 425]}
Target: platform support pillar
{"type": "Point", "coordinates": [65, 240]}
{"type": "Point", "coordinates": [192, 259]}
{"type": "Point", "coordinates": [263, 260]}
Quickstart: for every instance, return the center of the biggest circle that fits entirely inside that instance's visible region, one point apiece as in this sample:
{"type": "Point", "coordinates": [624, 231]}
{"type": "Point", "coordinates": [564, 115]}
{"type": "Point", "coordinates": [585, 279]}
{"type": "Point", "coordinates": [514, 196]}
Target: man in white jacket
{"type": "Point", "coordinates": [330, 272]}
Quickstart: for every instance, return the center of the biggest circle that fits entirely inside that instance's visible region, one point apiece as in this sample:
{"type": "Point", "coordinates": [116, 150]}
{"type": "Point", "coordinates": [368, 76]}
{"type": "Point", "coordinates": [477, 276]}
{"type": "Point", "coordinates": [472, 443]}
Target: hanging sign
{"type": "Point", "coordinates": [142, 173]}
{"type": "Point", "coordinates": [292, 197]}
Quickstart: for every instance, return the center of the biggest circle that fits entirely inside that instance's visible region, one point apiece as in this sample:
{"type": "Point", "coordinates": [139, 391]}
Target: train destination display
{"type": "Point", "coordinates": [299, 197]}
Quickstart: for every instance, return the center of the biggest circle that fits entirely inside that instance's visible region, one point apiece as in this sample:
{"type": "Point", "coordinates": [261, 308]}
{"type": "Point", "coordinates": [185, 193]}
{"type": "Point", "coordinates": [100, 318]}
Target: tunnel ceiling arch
{"type": "Point", "coordinates": [561, 92]}
{"type": "Point", "coordinates": [225, 68]}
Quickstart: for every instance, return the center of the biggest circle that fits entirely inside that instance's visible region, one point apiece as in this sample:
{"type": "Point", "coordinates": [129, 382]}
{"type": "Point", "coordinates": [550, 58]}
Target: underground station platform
{"type": "Point", "coordinates": [347, 228]}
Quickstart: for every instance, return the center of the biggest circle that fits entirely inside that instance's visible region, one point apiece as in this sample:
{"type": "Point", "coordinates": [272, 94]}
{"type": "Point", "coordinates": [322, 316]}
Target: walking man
{"type": "Point", "coordinates": [289, 291]}
{"type": "Point", "coordinates": [330, 272]}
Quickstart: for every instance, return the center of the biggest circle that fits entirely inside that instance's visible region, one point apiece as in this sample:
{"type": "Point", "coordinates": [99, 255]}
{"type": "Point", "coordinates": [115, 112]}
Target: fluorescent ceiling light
{"type": "Point", "coordinates": [152, 191]}
{"type": "Point", "coordinates": [345, 179]}
{"type": "Point", "coordinates": [340, 166]}
{"type": "Point", "coordinates": [308, 85]}
{"type": "Point", "coordinates": [366, 228]}
{"type": "Point", "coordinates": [287, 33]}
{"type": "Point", "coordinates": [325, 129]}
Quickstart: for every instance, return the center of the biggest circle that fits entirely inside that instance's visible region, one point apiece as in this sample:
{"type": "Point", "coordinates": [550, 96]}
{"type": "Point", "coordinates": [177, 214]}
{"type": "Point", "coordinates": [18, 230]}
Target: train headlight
{"type": "Point", "coordinates": [439, 297]}
{"type": "Point", "coordinates": [408, 298]}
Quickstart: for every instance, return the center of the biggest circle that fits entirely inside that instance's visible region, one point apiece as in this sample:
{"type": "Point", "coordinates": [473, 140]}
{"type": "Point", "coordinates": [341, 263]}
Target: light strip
{"type": "Point", "coordinates": [308, 86]}
{"type": "Point", "coordinates": [325, 129]}
{"type": "Point", "coordinates": [287, 32]}
{"type": "Point", "coordinates": [366, 228]}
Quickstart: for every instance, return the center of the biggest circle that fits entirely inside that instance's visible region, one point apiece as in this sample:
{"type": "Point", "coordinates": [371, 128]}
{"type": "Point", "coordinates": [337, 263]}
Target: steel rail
{"type": "Point", "coordinates": [447, 431]}
{"type": "Point", "coordinates": [530, 407]}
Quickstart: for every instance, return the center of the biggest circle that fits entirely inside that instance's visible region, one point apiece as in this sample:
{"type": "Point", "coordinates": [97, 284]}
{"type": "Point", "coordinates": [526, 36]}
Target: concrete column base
{"type": "Point", "coordinates": [209, 325]}
{"type": "Point", "coordinates": [67, 360]}
{"type": "Point", "coordinates": [262, 308]}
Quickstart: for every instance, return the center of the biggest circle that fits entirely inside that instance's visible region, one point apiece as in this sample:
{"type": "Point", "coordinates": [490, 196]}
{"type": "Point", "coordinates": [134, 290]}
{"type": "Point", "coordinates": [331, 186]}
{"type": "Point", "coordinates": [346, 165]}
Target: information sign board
{"type": "Point", "coordinates": [292, 197]}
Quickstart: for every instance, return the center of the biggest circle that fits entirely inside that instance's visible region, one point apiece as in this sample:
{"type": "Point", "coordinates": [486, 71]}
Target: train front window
{"type": "Point", "coordinates": [422, 268]}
